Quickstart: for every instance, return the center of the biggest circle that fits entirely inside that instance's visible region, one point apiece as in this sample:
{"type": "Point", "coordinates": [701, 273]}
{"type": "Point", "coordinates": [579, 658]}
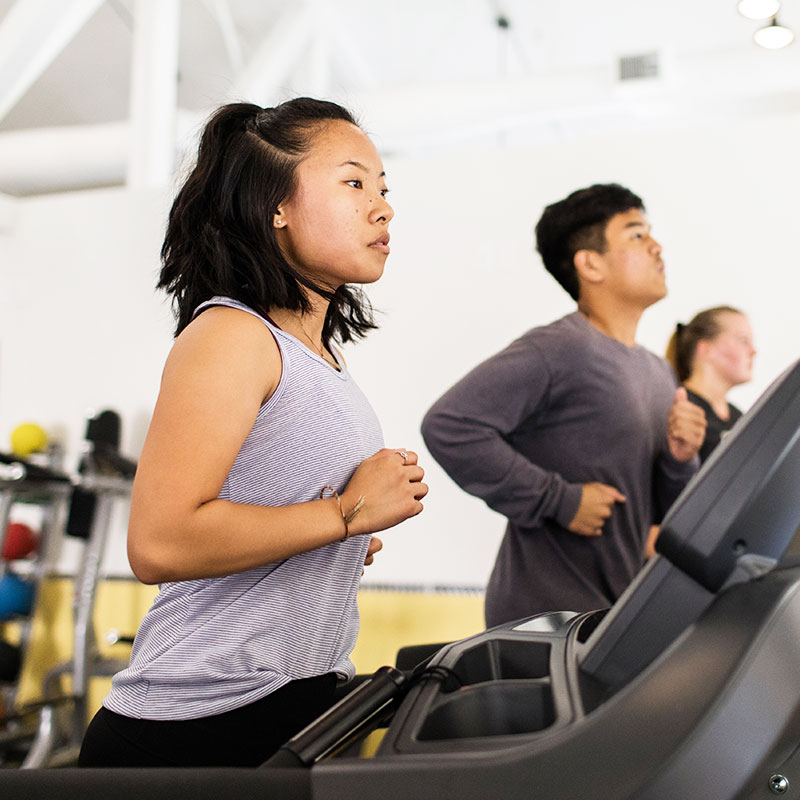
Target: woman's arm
{"type": "Point", "coordinates": [220, 371]}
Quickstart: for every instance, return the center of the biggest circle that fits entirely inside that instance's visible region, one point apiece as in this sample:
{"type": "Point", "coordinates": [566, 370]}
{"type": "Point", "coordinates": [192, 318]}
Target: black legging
{"type": "Point", "coordinates": [244, 737]}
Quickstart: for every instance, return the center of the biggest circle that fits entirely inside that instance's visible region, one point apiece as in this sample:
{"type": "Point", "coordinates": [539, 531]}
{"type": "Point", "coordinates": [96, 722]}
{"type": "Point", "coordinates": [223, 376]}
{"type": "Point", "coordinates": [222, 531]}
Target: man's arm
{"type": "Point", "coordinates": [467, 432]}
{"type": "Point", "coordinates": [686, 427]}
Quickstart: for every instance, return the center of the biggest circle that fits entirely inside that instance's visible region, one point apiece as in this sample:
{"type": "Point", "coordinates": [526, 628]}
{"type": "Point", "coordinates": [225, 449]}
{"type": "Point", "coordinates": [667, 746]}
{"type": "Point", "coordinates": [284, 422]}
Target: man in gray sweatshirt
{"type": "Point", "coordinates": [578, 435]}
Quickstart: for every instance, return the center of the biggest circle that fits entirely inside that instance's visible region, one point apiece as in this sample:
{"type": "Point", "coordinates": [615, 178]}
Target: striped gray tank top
{"type": "Point", "coordinates": [212, 645]}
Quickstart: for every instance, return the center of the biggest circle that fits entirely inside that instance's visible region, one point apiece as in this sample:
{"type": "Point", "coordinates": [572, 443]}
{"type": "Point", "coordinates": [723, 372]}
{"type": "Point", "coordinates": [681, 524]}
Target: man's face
{"type": "Point", "coordinates": [632, 263]}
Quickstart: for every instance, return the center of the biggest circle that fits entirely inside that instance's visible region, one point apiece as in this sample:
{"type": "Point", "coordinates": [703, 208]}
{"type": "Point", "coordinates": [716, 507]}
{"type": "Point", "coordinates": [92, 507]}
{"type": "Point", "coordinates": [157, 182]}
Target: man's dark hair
{"type": "Point", "coordinates": [220, 238]}
{"type": "Point", "coordinates": [579, 223]}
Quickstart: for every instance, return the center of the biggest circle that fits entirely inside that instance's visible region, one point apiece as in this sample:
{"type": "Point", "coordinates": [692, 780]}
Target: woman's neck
{"type": "Point", "coordinates": [307, 328]}
{"type": "Point", "coordinates": [713, 389]}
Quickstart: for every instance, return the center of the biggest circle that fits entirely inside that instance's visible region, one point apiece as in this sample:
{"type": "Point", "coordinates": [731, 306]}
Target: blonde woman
{"type": "Point", "coordinates": [712, 354]}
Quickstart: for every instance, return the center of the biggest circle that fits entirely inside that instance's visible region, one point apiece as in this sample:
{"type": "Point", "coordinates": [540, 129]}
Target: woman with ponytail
{"type": "Point", "coordinates": [712, 354]}
{"type": "Point", "coordinates": [263, 475]}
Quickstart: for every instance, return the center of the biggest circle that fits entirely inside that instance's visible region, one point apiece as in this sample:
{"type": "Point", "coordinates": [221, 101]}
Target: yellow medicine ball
{"type": "Point", "coordinates": [28, 438]}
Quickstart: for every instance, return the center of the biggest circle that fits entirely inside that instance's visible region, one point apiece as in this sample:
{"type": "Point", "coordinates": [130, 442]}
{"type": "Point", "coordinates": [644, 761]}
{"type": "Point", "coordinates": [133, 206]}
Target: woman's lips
{"type": "Point", "coordinates": [381, 244]}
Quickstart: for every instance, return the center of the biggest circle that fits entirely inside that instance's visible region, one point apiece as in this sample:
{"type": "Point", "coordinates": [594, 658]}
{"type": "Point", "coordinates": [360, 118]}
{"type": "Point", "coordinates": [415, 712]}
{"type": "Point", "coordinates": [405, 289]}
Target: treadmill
{"type": "Point", "coordinates": [688, 687]}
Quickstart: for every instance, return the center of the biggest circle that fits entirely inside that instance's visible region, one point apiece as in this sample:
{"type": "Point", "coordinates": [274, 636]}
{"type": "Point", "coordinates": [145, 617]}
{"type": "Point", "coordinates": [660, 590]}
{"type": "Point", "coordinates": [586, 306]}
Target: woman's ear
{"type": "Point", "coordinates": [278, 218]}
{"type": "Point", "coordinates": [702, 349]}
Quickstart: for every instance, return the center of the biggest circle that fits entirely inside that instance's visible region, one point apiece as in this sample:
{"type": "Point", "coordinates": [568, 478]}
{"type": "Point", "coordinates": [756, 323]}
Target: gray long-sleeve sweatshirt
{"type": "Point", "coordinates": [561, 406]}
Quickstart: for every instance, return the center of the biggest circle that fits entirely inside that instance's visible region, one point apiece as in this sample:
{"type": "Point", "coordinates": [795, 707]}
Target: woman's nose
{"type": "Point", "coordinates": [381, 210]}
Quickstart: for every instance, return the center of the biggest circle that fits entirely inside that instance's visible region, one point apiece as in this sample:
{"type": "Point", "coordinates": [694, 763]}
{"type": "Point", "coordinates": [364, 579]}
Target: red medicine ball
{"type": "Point", "coordinates": [19, 542]}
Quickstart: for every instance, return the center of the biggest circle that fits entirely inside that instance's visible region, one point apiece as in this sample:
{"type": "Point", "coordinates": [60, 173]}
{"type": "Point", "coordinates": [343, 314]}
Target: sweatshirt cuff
{"type": "Point", "coordinates": [568, 507]}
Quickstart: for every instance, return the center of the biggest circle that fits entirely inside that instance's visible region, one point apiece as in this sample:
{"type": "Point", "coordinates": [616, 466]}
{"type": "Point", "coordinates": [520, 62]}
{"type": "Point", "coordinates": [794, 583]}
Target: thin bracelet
{"type": "Point", "coordinates": [347, 517]}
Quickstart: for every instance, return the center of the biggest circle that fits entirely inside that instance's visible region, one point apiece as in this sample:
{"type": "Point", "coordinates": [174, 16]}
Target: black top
{"type": "Point", "coordinates": [716, 427]}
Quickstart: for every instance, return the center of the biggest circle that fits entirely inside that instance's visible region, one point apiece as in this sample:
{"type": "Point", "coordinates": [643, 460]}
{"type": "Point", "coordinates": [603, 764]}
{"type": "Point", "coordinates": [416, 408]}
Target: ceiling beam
{"type": "Point", "coordinates": [266, 76]}
{"type": "Point", "coordinates": [32, 34]}
{"type": "Point", "coordinates": [32, 161]}
{"type": "Point", "coordinates": [221, 11]}
{"type": "Point", "coordinates": [154, 92]}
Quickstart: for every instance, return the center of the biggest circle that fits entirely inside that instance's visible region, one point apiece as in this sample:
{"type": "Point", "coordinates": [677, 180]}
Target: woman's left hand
{"type": "Point", "coordinates": [375, 544]}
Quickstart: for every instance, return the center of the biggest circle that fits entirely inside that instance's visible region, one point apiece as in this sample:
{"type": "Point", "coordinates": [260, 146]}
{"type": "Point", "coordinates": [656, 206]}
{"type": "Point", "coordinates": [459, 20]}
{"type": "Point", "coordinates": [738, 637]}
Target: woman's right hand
{"type": "Point", "coordinates": [390, 481]}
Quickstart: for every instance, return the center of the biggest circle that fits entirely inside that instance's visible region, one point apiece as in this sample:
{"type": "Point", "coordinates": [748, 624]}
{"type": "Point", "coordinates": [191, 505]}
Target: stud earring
{"type": "Point", "coordinates": [278, 223]}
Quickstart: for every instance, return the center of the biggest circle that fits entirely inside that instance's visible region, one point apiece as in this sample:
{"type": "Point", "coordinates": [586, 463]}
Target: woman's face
{"type": "Point", "coordinates": [731, 351]}
{"type": "Point", "coordinates": [335, 227]}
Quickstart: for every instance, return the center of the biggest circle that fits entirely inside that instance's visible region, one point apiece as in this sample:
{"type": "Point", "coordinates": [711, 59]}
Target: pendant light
{"type": "Point", "coordinates": [773, 36]}
{"type": "Point", "coordinates": [758, 9]}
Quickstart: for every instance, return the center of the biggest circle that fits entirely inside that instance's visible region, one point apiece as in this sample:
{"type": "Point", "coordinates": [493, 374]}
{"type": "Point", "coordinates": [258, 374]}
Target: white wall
{"type": "Point", "coordinates": [80, 324]}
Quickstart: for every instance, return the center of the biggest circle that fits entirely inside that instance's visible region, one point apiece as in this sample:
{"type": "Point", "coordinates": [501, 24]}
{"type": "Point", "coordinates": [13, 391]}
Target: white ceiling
{"type": "Point", "coordinates": [421, 74]}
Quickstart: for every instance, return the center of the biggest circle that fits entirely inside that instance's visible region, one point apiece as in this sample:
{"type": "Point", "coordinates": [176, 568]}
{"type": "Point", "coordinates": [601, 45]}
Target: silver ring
{"type": "Point", "coordinates": [403, 454]}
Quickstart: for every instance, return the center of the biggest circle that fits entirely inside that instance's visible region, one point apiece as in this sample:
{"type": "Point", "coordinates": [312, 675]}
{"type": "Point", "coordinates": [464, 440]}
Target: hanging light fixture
{"type": "Point", "coordinates": [773, 36]}
{"type": "Point", "coordinates": [758, 9]}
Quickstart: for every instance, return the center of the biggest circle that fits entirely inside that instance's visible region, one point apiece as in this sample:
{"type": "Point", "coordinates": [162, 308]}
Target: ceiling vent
{"type": "Point", "coordinates": [633, 68]}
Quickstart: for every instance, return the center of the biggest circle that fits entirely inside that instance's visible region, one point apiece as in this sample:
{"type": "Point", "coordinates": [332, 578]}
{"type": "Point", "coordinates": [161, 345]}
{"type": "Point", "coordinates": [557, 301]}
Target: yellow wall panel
{"type": "Point", "coordinates": [393, 619]}
{"type": "Point", "coordinates": [390, 620]}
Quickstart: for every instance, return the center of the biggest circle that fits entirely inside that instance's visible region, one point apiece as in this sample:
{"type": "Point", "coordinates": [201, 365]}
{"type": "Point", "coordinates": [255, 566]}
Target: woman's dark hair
{"type": "Point", "coordinates": [579, 223]}
{"type": "Point", "coordinates": [682, 346]}
{"type": "Point", "coordinates": [220, 238]}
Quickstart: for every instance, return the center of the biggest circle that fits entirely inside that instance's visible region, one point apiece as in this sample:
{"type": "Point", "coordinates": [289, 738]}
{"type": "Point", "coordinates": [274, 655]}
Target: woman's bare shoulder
{"type": "Point", "coordinates": [229, 342]}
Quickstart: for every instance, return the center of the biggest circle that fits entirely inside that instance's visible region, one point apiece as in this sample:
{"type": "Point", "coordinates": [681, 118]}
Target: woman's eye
{"type": "Point", "coordinates": [355, 183]}
{"type": "Point", "coordinates": [384, 192]}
